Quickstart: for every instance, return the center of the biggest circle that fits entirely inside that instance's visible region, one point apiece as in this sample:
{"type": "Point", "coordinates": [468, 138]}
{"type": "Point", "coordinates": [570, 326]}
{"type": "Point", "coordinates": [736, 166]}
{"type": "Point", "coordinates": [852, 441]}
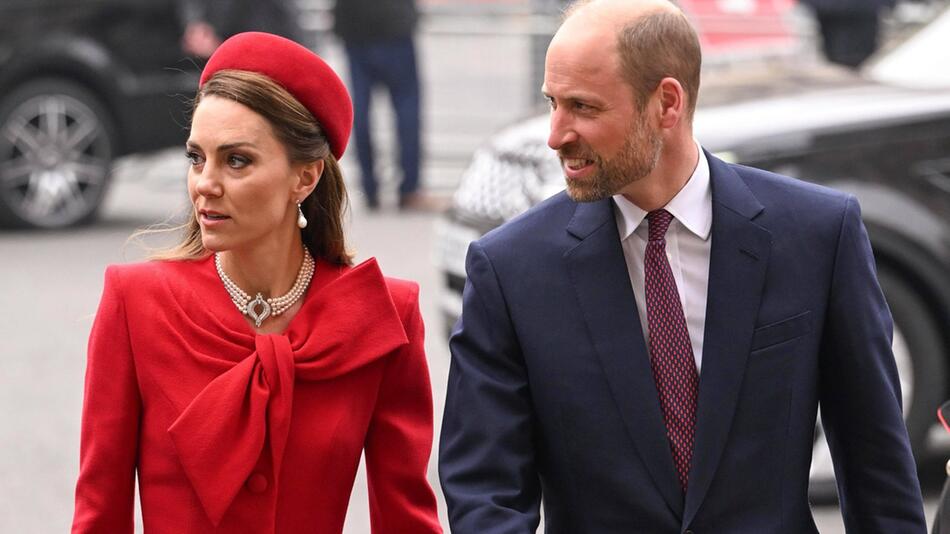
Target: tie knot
{"type": "Point", "coordinates": [659, 221]}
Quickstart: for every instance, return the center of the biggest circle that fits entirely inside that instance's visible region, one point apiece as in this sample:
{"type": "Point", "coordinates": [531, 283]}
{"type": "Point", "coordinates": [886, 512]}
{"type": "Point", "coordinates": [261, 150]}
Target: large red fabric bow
{"type": "Point", "coordinates": [347, 324]}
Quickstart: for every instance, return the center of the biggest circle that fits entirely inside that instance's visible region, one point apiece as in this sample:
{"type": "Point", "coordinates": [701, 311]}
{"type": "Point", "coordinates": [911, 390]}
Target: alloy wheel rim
{"type": "Point", "coordinates": [54, 160]}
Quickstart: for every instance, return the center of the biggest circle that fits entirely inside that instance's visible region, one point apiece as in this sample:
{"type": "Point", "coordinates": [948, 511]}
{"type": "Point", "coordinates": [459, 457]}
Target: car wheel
{"type": "Point", "coordinates": [57, 142]}
{"type": "Point", "coordinates": [918, 350]}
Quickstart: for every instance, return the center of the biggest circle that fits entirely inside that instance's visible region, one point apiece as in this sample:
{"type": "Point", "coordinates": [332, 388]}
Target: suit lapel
{"type": "Point", "coordinates": [737, 267]}
{"type": "Point", "coordinates": [599, 275]}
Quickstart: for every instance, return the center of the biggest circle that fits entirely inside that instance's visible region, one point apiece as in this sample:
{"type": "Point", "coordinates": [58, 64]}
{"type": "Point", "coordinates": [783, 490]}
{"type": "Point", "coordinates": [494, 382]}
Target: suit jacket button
{"type": "Point", "coordinates": [948, 468]}
{"type": "Point", "coordinates": [257, 483]}
{"type": "Point", "coordinates": [688, 532]}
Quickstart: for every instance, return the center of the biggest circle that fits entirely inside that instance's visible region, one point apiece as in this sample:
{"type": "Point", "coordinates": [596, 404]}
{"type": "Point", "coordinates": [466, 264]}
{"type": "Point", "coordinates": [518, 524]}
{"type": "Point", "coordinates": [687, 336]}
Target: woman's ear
{"type": "Point", "coordinates": [307, 177]}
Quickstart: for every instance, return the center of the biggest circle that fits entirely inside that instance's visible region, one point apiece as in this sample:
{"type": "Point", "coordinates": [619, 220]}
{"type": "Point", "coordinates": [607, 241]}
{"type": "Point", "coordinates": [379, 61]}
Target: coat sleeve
{"type": "Point", "coordinates": [487, 461]}
{"type": "Point", "coordinates": [399, 441]}
{"type": "Point", "coordinates": [110, 422]}
{"type": "Point", "coordinates": [861, 396]}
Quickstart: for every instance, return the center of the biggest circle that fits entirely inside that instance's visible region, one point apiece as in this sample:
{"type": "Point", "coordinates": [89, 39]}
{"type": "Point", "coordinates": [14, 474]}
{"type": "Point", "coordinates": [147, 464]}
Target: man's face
{"type": "Point", "coordinates": [604, 141]}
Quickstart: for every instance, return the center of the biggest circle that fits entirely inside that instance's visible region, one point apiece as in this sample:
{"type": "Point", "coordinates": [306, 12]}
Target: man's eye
{"type": "Point", "coordinates": [551, 102]}
{"type": "Point", "coordinates": [238, 162]}
{"type": "Point", "coordinates": [193, 157]}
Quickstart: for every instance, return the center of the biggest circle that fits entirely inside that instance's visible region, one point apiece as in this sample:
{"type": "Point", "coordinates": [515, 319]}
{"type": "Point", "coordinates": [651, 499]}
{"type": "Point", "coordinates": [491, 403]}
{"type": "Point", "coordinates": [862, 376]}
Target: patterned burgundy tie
{"type": "Point", "coordinates": [671, 354]}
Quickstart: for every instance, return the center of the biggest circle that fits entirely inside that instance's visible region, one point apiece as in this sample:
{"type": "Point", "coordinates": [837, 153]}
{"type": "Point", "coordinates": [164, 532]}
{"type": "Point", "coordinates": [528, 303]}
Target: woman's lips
{"type": "Point", "coordinates": [212, 219]}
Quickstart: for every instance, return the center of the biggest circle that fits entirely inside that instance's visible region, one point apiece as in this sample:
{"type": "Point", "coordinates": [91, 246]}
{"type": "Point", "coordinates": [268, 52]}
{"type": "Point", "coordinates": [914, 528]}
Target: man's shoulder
{"type": "Point", "coordinates": [781, 193]}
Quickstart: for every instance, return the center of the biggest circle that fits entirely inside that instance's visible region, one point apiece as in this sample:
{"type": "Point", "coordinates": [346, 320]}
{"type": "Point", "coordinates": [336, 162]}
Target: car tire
{"type": "Point", "coordinates": [57, 142]}
{"type": "Point", "coordinates": [918, 349]}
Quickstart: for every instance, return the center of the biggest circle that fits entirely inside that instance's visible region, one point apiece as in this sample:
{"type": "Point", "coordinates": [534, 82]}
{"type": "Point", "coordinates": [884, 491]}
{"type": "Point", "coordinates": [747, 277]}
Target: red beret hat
{"type": "Point", "coordinates": [301, 72]}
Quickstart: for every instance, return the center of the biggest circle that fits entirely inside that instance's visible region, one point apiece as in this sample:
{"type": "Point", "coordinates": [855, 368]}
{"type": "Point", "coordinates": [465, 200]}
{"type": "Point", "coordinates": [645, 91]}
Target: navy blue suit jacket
{"type": "Point", "coordinates": [551, 392]}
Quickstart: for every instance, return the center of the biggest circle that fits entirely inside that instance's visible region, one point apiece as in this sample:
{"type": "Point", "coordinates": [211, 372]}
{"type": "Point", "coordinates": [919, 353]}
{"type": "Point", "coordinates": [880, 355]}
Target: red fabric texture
{"type": "Point", "coordinates": [671, 354]}
{"type": "Point", "coordinates": [303, 73]}
{"type": "Point", "coordinates": [232, 431]}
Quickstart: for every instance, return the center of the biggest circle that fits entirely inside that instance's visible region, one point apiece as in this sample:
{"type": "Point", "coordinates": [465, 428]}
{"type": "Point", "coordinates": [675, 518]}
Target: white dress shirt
{"type": "Point", "coordinates": [688, 242]}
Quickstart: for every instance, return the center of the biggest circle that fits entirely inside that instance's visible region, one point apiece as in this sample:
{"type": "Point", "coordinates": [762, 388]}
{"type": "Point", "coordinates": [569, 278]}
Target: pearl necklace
{"type": "Point", "coordinates": [272, 306]}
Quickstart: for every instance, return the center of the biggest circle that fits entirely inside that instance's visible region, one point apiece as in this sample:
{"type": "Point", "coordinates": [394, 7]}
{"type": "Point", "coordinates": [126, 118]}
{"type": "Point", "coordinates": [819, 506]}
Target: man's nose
{"type": "Point", "coordinates": [562, 132]}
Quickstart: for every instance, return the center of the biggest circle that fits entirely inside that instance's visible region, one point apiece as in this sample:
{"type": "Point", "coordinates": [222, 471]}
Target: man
{"type": "Point", "coordinates": [850, 29]}
{"type": "Point", "coordinates": [378, 38]}
{"type": "Point", "coordinates": [208, 22]}
{"type": "Point", "coordinates": [648, 350]}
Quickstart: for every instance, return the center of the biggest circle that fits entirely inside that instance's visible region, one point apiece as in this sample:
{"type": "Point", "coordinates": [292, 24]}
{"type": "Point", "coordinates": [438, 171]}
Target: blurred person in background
{"type": "Point", "coordinates": [379, 44]}
{"type": "Point", "coordinates": [241, 374]}
{"type": "Point", "coordinates": [208, 22]}
{"type": "Point", "coordinates": [647, 351]}
{"type": "Point", "coordinates": [942, 515]}
{"type": "Point", "coordinates": [850, 29]}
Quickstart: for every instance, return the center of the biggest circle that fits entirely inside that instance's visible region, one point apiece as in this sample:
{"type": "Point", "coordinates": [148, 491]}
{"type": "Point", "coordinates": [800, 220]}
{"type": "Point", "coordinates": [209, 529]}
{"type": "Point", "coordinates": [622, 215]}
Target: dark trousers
{"type": "Point", "coordinates": [392, 64]}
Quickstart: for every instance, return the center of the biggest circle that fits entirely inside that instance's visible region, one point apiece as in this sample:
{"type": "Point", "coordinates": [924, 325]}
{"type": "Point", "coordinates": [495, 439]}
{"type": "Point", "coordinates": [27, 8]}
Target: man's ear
{"type": "Point", "coordinates": [307, 177]}
{"type": "Point", "coordinates": [672, 98]}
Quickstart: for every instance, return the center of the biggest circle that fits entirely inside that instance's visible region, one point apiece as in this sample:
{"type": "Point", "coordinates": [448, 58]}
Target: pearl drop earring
{"type": "Point", "coordinates": [301, 220]}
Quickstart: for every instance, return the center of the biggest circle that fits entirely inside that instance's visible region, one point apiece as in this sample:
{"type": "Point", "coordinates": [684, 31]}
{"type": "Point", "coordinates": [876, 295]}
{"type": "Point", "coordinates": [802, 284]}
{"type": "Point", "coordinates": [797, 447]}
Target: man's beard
{"type": "Point", "coordinates": [637, 159]}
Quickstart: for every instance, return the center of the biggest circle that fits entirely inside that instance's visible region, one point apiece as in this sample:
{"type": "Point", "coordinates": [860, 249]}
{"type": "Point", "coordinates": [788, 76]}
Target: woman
{"type": "Point", "coordinates": [241, 376]}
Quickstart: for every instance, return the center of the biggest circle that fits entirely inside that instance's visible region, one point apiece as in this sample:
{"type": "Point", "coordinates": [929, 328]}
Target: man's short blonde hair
{"type": "Point", "coordinates": [655, 45]}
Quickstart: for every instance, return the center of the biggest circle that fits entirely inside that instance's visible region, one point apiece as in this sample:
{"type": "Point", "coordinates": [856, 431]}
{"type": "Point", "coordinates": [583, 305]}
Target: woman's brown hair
{"type": "Point", "coordinates": [305, 142]}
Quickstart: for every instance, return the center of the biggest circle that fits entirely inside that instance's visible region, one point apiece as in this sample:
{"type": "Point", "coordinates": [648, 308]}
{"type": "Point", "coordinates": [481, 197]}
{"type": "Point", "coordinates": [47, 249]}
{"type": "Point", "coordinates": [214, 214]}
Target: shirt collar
{"type": "Point", "coordinates": [692, 206]}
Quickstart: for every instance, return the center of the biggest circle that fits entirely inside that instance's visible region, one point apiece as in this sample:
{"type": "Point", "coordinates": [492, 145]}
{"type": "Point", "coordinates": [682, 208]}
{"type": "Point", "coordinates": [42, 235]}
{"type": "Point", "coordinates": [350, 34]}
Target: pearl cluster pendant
{"type": "Point", "coordinates": [258, 308]}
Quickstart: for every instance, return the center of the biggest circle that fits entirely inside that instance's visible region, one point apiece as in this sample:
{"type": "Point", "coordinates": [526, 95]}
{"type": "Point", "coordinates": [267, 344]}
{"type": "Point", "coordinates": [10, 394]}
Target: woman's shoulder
{"type": "Point", "coordinates": [368, 276]}
{"type": "Point", "coordinates": [401, 290]}
{"type": "Point", "coordinates": [403, 293]}
{"type": "Point", "coordinates": [151, 274]}
{"type": "Point", "coordinates": [143, 271]}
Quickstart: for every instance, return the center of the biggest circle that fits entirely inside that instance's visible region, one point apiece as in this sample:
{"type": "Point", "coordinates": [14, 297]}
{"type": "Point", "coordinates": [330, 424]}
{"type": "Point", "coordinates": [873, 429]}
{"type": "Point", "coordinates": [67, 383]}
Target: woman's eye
{"type": "Point", "coordinates": [193, 157]}
{"type": "Point", "coordinates": [237, 162]}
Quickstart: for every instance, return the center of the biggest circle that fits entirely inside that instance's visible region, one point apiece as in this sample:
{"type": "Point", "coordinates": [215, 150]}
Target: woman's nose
{"type": "Point", "coordinates": [207, 183]}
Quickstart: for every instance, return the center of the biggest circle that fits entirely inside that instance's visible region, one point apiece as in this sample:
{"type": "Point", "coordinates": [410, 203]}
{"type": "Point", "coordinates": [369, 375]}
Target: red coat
{"type": "Point", "coordinates": [230, 431]}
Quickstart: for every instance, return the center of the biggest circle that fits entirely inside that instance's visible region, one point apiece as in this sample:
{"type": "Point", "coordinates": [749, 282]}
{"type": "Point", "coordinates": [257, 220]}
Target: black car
{"type": "Point", "coordinates": [886, 142]}
{"type": "Point", "coordinates": [83, 82]}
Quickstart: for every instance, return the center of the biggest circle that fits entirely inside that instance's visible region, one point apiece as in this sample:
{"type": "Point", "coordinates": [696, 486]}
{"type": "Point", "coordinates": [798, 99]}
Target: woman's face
{"type": "Point", "coordinates": [241, 182]}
